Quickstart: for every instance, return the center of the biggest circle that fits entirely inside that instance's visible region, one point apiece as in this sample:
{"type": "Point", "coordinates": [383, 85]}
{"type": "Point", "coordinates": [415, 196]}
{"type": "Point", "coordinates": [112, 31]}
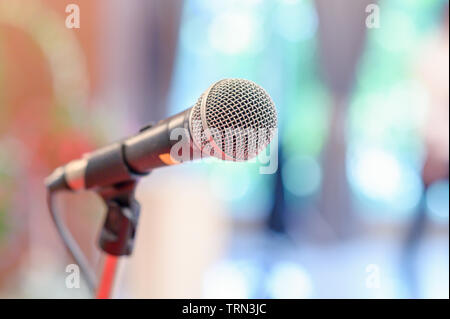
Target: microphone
{"type": "Point", "coordinates": [233, 120]}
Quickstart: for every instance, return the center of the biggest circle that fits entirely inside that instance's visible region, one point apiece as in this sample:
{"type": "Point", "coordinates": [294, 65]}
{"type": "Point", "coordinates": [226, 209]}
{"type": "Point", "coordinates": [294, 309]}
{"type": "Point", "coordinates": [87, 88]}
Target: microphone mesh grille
{"type": "Point", "coordinates": [240, 116]}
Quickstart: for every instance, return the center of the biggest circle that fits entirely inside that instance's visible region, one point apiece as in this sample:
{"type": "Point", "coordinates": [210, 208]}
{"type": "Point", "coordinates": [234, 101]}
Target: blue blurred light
{"type": "Point", "coordinates": [234, 32]}
{"type": "Point", "coordinates": [437, 200]}
{"type": "Point", "coordinates": [230, 182]}
{"type": "Point", "coordinates": [189, 35]}
{"type": "Point", "coordinates": [301, 175]}
{"type": "Point", "coordinates": [296, 20]}
{"type": "Point", "coordinates": [247, 193]}
{"type": "Point", "coordinates": [289, 280]}
{"type": "Point", "coordinates": [379, 176]}
{"type": "Point", "coordinates": [226, 280]}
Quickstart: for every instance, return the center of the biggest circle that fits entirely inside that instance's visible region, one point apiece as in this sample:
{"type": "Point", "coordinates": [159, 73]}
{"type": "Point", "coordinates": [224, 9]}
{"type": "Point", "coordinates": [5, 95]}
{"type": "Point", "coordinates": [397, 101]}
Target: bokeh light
{"type": "Point", "coordinates": [235, 32]}
{"type": "Point", "coordinates": [437, 200]}
{"type": "Point", "coordinates": [296, 20]}
{"type": "Point", "coordinates": [380, 177]}
{"type": "Point", "coordinates": [289, 280]}
{"type": "Point", "coordinates": [226, 280]}
{"type": "Point", "coordinates": [301, 175]}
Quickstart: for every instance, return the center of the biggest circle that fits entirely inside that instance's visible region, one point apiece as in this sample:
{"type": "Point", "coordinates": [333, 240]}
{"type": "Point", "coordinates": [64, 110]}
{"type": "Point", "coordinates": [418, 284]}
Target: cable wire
{"type": "Point", "coordinates": [71, 244]}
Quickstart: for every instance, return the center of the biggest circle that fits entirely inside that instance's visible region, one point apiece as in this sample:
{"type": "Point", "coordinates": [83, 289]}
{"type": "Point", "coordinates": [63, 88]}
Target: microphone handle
{"type": "Point", "coordinates": [151, 148]}
{"type": "Point", "coordinates": [122, 161]}
{"type": "Point", "coordinates": [136, 155]}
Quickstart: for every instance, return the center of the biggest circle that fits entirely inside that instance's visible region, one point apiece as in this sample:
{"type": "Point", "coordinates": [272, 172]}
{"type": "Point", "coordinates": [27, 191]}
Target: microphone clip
{"type": "Point", "coordinates": [117, 236]}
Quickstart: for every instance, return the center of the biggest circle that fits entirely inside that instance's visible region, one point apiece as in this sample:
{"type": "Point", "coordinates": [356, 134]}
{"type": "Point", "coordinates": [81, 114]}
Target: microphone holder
{"type": "Point", "coordinates": [122, 214]}
{"type": "Point", "coordinates": [119, 229]}
{"type": "Point", "coordinates": [117, 236]}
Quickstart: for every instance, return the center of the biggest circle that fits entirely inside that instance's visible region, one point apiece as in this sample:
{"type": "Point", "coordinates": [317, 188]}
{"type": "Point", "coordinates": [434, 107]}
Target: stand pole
{"type": "Point", "coordinates": [118, 232]}
{"type": "Point", "coordinates": [106, 285]}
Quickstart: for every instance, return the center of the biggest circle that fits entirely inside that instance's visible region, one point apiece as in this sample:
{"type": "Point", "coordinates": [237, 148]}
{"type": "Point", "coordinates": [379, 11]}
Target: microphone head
{"type": "Point", "coordinates": [234, 119]}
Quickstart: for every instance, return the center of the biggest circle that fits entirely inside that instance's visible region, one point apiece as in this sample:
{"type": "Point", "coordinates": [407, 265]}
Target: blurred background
{"type": "Point", "coordinates": [359, 205]}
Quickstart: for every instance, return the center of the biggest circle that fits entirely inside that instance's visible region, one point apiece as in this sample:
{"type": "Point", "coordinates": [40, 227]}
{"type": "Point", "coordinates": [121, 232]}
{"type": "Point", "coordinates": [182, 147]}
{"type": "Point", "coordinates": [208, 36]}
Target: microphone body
{"type": "Point", "coordinates": [123, 160]}
{"type": "Point", "coordinates": [227, 105]}
{"type": "Point", "coordinates": [151, 148]}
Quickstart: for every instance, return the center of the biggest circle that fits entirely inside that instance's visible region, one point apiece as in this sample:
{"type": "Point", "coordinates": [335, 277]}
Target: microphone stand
{"type": "Point", "coordinates": [118, 232]}
{"type": "Point", "coordinates": [119, 229]}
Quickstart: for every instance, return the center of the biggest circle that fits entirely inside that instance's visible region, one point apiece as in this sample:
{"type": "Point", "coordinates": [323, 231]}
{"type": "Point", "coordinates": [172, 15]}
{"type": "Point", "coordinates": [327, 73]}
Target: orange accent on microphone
{"type": "Point", "coordinates": [167, 159]}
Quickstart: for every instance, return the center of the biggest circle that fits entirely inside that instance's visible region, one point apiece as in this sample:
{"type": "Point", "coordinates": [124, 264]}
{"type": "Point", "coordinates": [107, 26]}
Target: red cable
{"type": "Point", "coordinates": [107, 280]}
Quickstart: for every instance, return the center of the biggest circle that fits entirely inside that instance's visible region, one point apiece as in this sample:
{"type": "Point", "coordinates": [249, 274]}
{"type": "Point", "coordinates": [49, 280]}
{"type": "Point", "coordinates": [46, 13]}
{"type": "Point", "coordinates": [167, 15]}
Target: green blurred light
{"type": "Point", "coordinates": [306, 127]}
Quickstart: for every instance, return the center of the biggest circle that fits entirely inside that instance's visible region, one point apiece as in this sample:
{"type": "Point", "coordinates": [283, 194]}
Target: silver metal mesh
{"type": "Point", "coordinates": [240, 120]}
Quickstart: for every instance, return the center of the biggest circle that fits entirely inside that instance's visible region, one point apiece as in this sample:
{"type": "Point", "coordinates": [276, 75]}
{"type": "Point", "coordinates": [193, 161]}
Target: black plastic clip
{"type": "Point", "coordinates": [119, 230]}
